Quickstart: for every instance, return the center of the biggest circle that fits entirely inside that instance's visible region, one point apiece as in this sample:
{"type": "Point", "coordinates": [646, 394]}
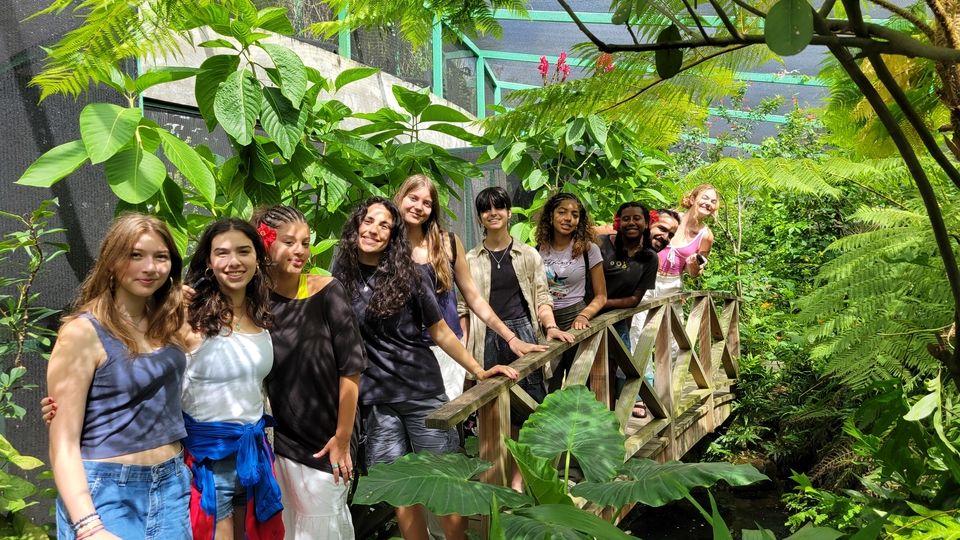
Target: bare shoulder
{"type": "Point", "coordinates": [77, 339]}
{"type": "Point", "coordinates": [316, 283]}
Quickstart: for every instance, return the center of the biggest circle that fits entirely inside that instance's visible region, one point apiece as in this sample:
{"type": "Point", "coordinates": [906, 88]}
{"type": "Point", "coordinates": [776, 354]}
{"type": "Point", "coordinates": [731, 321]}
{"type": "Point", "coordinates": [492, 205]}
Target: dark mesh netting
{"type": "Point", "coordinates": [384, 49]}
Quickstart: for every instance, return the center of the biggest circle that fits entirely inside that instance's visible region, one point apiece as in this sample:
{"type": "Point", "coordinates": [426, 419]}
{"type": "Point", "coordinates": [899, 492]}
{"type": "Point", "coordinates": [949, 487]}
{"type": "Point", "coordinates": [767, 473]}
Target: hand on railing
{"type": "Point", "coordinates": [554, 332]}
{"type": "Point", "coordinates": [498, 369]}
{"type": "Point", "coordinates": [581, 322]}
{"type": "Point", "coordinates": [520, 347]}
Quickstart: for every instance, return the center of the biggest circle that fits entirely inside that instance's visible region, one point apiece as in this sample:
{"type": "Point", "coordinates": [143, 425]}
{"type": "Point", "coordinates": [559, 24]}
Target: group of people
{"type": "Point", "coordinates": [163, 385]}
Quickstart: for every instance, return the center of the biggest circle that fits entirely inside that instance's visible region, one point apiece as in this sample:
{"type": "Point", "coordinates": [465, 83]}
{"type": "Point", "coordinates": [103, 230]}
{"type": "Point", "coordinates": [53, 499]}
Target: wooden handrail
{"type": "Point", "coordinates": [700, 347]}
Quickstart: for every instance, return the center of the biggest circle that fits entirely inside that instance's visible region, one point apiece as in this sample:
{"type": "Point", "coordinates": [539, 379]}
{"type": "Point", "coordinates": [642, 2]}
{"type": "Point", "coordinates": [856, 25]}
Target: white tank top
{"type": "Point", "coordinates": [224, 377]}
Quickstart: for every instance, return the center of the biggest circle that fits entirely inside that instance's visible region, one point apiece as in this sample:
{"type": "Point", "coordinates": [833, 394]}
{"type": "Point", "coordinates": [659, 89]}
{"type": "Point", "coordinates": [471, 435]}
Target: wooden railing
{"type": "Point", "coordinates": [689, 398]}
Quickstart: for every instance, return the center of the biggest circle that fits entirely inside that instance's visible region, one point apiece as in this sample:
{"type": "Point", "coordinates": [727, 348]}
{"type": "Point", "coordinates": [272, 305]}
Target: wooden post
{"type": "Point", "coordinates": [494, 418]}
{"type": "Point", "coordinates": [600, 378]}
{"type": "Point", "coordinates": [663, 376]}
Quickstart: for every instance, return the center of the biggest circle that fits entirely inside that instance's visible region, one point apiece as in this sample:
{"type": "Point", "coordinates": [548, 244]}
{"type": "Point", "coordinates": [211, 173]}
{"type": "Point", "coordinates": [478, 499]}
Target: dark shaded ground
{"type": "Point", "coordinates": [741, 508]}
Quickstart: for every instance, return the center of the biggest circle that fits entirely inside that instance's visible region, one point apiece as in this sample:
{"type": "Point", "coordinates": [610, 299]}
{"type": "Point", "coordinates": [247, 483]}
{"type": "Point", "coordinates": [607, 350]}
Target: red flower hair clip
{"type": "Point", "coordinates": [267, 234]}
{"type": "Point", "coordinates": [654, 216]}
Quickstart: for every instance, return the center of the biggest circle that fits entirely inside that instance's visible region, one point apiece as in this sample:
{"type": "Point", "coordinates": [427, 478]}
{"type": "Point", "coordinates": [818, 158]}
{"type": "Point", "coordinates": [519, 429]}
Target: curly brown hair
{"type": "Point", "coordinates": [583, 235]}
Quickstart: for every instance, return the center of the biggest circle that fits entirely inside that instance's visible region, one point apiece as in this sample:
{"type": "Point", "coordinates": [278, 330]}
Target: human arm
{"type": "Point", "coordinates": [70, 372]}
{"type": "Point", "coordinates": [338, 447]}
{"type": "Point", "coordinates": [693, 265]}
{"type": "Point", "coordinates": [627, 301]}
{"type": "Point", "coordinates": [549, 323]}
{"type": "Point", "coordinates": [479, 305]}
{"type": "Point", "coordinates": [444, 337]}
{"type": "Point", "coordinates": [599, 298]}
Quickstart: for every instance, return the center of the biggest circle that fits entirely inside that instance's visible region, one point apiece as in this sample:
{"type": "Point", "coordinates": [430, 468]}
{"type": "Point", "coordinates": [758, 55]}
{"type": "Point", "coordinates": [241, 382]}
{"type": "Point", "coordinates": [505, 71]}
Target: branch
{"type": "Point", "coordinates": [826, 8]}
{"type": "Point", "coordinates": [923, 186]}
{"type": "Point", "coordinates": [750, 8]}
{"type": "Point", "coordinates": [726, 20]}
{"type": "Point", "coordinates": [696, 20]}
{"type": "Point", "coordinates": [854, 16]}
{"type": "Point", "coordinates": [682, 69]}
{"type": "Point", "coordinates": [886, 78]}
{"type": "Point", "coordinates": [907, 16]}
{"type": "Point", "coordinates": [945, 21]}
{"type": "Point", "coordinates": [582, 27]}
{"type": "Point", "coordinates": [632, 35]}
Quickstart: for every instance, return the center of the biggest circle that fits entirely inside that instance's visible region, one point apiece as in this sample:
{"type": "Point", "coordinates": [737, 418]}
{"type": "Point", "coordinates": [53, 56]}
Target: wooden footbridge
{"type": "Point", "coordinates": [690, 396]}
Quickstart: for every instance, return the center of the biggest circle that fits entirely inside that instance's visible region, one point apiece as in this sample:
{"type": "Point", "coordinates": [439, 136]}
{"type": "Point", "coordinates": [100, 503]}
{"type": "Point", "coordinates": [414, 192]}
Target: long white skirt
{"type": "Point", "coordinates": [314, 508]}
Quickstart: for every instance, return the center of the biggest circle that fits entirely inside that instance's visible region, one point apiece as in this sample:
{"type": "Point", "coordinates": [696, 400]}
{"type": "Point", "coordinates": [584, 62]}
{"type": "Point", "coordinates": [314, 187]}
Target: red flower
{"type": "Point", "coordinates": [267, 234]}
{"type": "Point", "coordinates": [654, 216]}
{"type": "Point", "coordinates": [565, 70]}
{"type": "Point", "coordinates": [544, 67]}
{"type": "Point", "coordinates": [562, 60]}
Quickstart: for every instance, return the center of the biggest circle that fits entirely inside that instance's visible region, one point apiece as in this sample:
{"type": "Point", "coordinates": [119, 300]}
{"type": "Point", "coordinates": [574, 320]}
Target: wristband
{"type": "Point", "coordinates": [548, 328]}
{"type": "Point", "coordinates": [511, 339]}
{"type": "Point", "coordinates": [582, 315]}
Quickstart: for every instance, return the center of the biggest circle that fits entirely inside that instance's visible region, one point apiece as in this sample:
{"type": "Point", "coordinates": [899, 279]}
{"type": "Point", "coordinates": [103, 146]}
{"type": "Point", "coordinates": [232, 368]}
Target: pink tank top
{"type": "Point", "coordinates": [674, 259]}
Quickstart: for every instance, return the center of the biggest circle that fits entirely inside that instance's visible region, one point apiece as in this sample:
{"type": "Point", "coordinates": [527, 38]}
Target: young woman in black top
{"type": "Point", "coordinates": [402, 385]}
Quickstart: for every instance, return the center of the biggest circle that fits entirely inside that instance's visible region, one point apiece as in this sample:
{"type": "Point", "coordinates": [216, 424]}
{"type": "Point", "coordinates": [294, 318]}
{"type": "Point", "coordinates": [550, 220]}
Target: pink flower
{"type": "Point", "coordinates": [544, 67]}
{"type": "Point", "coordinates": [565, 69]}
{"type": "Point", "coordinates": [610, 67]}
{"type": "Point", "coordinates": [563, 59]}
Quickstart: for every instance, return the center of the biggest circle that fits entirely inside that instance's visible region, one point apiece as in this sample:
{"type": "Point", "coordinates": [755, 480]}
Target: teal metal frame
{"type": "Point", "coordinates": [483, 70]}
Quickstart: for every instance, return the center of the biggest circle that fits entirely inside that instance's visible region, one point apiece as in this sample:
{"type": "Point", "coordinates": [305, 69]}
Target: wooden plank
{"type": "Point", "coordinates": [663, 369]}
{"type": "Point", "coordinates": [521, 400]}
{"type": "Point", "coordinates": [583, 362]}
{"type": "Point", "coordinates": [600, 378]}
{"type": "Point", "coordinates": [626, 401]}
{"type": "Point", "coordinates": [643, 350]}
{"type": "Point", "coordinates": [494, 422]}
{"type": "Point", "coordinates": [644, 435]}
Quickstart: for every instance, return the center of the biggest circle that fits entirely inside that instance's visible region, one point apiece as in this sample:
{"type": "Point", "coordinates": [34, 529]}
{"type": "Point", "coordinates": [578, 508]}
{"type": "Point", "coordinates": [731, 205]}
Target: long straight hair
{"type": "Point", "coordinates": [210, 309]}
{"type": "Point", "coordinates": [432, 230]}
{"type": "Point", "coordinates": [164, 308]}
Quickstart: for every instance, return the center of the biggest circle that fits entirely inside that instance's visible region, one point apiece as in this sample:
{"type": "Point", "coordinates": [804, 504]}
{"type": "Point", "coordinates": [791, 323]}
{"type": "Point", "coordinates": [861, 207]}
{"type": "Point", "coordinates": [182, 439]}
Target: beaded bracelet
{"type": "Point", "coordinates": [76, 525]}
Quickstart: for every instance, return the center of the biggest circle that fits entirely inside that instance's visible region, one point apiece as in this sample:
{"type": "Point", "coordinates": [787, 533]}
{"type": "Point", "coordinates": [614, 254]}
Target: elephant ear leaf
{"type": "Point", "coordinates": [540, 475]}
{"type": "Point", "coordinates": [441, 482]}
{"type": "Point", "coordinates": [572, 420]}
{"type": "Point", "coordinates": [655, 484]}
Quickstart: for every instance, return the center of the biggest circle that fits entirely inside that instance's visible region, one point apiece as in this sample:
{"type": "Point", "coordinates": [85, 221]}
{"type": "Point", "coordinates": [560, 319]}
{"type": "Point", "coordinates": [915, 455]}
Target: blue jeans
{"type": "Point", "coordinates": [137, 502]}
{"type": "Point", "coordinates": [497, 351]}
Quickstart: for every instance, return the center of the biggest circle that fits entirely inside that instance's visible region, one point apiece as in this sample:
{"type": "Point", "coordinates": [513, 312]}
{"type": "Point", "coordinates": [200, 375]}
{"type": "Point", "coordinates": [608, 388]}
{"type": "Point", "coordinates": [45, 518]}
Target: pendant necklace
{"type": "Point", "coordinates": [236, 324]}
{"type": "Point", "coordinates": [503, 256]}
{"type": "Point", "coordinates": [366, 280]}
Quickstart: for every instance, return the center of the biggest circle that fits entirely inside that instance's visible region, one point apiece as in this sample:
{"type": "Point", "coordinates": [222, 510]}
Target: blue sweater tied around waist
{"type": "Point", "coordinates": [211, 441]}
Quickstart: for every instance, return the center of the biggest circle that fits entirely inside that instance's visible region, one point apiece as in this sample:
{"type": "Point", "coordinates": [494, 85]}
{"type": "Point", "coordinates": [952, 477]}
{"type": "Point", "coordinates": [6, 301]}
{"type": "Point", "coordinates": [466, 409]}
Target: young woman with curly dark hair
{"type": "Point", "coordinates": [574, 268]}
{"type": "Point", "coordinates": [402, 385]}
{"type": "Point", "coordinates": [443, 256]}
{"type": "Point", "coordinates": [222, 400]}
{"type": "Point", "coordinates": [314, 385]}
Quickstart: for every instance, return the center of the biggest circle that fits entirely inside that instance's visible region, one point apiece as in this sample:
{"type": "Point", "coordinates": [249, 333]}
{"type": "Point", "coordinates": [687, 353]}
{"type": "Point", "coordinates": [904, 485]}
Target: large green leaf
{"type": "Point", "coordinates": [519, 527]}
{"type": "Point", "coordinates": [655, 484]}
{"type": "Point", "coordinates": [11, 454]}
{"type": "Point", "coordinates": [575, 131]}
{"type": "Point", "coordinates": [282, 121]}
{"type": "Point", "coordinates": [597, 127]}
{"type": "Point", "coordinates": [441, 482]}
{"type": "Point", "coordinates": [275, 20]}
{"type": "Point", "coordinates": [412, 101]}
{"type": "Point", "coordinates": [190, 164]}
{"type": "Point", "coordinates": [237, 105]}
{"type": "Point", "coordinates": [348, 76]}
{"type": "Point", "coordinates": [134, 175]}
{"type": "Point", "coordinates": [788, 28]}
{"type": "Point", "coordinates": [540, 477]}
{"type": "Point", "coordinates": [163, 74]}
{"type": "Point", "coordinates": [259, 193]}
{"type": "Point", "coordinates": [441, 113]}
{"type": "Point", "coordinates": [460, 133]}
{"type": "Point", "coordinates": [558, 521]}
{"type": "Point", "coordinates": [213, 71]}
{"type": "Point", "coordinates": [54, 165]}
{"type": "Point", "coordinates": [261, 165]}
{"type": "Point", "coordinates": [572, 420]}
{"type": "Point", "coordinates": [105, 128]}
{"type": "Point", "coordinates": [668, 61]}
{"type": "Point", "coordinates": [293, 74]}
{"type": "Point", "coordinates": [512, 157]}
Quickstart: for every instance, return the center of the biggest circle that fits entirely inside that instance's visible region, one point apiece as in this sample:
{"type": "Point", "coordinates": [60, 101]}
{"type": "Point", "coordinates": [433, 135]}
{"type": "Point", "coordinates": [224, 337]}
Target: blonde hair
{"type": "Point", "coordinates": [690, 198]}
{"type": "Point", "coordinates": [432, 230]}
{"type": "Point", "coordinates": [164, 311]}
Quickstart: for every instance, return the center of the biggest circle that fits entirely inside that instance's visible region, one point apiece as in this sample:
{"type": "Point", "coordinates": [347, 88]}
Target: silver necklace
{"type": "Point", "coordinates": [503, 256]}
{"type": "Point", "coordinates": [366, 281]}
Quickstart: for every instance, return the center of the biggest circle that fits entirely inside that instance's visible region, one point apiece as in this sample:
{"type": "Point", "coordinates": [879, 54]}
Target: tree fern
{"type": "Point", "coordinates": [884, 297]}
{"type": "Point", "coordinates": [112, 31]}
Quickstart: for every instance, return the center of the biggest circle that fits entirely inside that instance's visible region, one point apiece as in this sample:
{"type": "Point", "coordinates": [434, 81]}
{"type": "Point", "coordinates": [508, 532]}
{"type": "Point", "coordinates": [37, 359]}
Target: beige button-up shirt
{"type": "Point", "coordinates": [533, 285]}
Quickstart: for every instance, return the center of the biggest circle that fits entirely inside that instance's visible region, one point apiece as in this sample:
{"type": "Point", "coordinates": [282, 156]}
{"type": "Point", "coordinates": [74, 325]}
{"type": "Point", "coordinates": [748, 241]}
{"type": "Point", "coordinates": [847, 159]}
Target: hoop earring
{"type": "Point", "coordinates": [208, 273]}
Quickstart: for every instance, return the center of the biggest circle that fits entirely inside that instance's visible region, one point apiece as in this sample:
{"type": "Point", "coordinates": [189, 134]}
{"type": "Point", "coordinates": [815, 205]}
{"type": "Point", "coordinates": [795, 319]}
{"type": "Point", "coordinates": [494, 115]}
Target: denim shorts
{"type": "Point", "coordinates": [394, 430]}
{"type": "Point", "coordinates": [230, 493]}
{"type": "Point", "coordinates": [137, 502]}
{"type": "Point", "coordinates": [497, 351]}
